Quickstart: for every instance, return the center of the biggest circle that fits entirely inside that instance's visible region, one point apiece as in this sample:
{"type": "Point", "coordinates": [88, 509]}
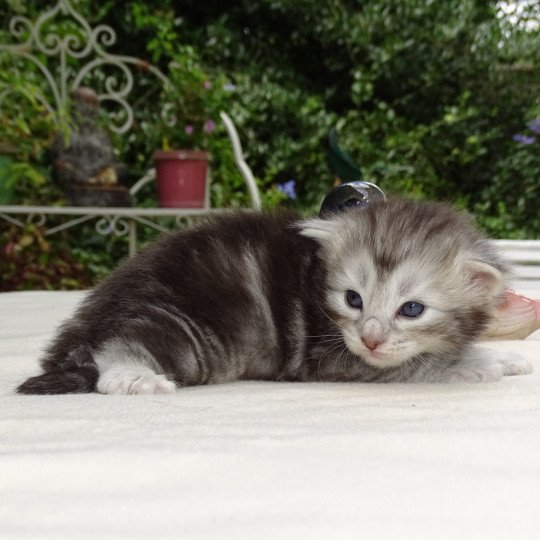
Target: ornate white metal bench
{"type": "Point", "coordinates": [88, 47]}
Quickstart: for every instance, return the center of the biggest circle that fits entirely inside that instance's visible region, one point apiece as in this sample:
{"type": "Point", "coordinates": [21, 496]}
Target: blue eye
{"type": "Point", "coordinates": [354, 300]}
{"type": "Point", "coordinates": [412, 309]}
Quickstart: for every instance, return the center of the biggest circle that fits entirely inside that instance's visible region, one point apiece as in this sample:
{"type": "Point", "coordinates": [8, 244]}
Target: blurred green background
{"type": "Point", "coordinates": [435, 99]}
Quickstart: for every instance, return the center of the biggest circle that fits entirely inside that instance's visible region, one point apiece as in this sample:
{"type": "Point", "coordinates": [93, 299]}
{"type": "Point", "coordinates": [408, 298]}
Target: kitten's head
{"type": "Point", "coordinates": [405, 278]}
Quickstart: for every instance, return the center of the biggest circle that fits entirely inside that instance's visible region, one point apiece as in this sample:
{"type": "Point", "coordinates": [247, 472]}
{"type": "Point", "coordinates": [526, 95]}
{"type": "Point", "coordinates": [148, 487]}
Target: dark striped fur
{"type": "Point", "coordinates": [246, 296]}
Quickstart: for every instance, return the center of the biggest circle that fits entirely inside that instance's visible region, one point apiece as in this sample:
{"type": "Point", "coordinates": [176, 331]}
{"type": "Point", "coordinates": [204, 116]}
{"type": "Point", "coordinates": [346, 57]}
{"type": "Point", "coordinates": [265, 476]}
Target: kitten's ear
{"type": "Point", "coordinates": [485, 277]}
{"type": "Point", "coordinates": [318, 229]}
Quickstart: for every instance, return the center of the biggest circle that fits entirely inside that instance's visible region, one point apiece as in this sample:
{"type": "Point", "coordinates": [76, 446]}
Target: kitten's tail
{"type": "Point", "coordinates": [77, 374]}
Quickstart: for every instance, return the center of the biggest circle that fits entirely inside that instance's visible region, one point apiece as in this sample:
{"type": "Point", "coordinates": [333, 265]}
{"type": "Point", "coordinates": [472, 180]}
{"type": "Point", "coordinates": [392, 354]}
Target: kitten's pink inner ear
{"type": "Point", "coordinates": [485, 277]}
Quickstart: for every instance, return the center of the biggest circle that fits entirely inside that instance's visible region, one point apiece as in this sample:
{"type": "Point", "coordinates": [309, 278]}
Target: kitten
{"type": "Point", "coordinates": [397, 291]}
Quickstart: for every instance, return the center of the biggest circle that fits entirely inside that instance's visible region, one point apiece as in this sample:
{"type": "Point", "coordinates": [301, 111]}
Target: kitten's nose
{"type": "Point", "coordinates": [371, 344]}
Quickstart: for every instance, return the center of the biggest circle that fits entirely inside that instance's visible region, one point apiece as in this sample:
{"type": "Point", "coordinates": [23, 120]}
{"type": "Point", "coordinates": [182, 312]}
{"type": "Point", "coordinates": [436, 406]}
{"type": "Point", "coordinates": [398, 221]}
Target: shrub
{"type": "Point", "coordinates": [427, 96]}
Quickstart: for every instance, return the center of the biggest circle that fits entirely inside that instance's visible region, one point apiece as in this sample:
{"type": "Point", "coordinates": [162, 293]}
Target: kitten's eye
{"type": "Point", "coordinates": [412, 309]}
{"type": "Point", "coordinates": [354, 299]}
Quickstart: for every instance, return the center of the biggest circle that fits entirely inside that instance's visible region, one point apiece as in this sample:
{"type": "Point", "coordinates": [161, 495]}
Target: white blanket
{"type": "Point", "coordinates": [263, 460]}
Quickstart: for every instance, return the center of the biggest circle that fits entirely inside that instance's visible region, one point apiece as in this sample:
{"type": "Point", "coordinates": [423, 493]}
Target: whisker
{"type": "Point", "coordinates": [323, 335]}
{"type": "Point", "coordinates": [335, 346]}
{"type": "Point", "coordinates": [326, 314]}
{"type": "Point", "coordinates": [335, 363]}
{"type": "Point", "coordinates": [341, 355]}
{"type": "Point", "coordinates": [331, 348]}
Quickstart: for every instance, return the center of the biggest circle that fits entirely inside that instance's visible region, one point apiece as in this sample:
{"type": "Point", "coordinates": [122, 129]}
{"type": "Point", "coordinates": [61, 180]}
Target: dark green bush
{"type": "Point", "coordinates": [426, 95]}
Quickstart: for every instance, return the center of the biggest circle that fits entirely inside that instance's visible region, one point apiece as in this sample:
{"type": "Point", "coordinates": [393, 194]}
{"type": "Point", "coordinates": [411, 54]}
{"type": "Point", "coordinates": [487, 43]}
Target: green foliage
{"type": "Point", "coordinates": [29, 261]}
{"type": "Point", "coordinates": [24, 138]}
{"type": "Point", "coordinates": [425, 95]}
{"type": "Point", "coordinates": [194, 102]}
{"type": "Point", "coordinates": [505, 210]}
{"type": "Point", "coordinates": [283, 131]}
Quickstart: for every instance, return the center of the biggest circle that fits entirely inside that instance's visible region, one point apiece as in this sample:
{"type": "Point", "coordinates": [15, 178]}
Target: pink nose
{"type": "Point", "coordinates": [371, 344]}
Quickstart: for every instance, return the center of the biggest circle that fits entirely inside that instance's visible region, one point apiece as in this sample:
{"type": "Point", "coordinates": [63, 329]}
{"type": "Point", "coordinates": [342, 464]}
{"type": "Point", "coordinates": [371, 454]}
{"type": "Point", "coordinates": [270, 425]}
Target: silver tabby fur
{"type": "Point", "coordinates": [263, 296]}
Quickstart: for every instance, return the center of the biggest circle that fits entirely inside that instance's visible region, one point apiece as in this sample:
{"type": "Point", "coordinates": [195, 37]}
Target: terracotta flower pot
{"type": "Point", "coordinates": [181, 177]}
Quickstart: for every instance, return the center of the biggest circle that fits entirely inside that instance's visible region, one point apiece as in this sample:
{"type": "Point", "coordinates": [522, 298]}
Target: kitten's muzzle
{"type": "Point", "coordinates": [371, 344]}
{"type": "Point", "coordinates": [373, 334]}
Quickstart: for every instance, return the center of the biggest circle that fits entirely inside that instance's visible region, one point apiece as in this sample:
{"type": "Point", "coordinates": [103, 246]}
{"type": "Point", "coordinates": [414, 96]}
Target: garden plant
{"type": "Point", "coordinates": [434, 99]}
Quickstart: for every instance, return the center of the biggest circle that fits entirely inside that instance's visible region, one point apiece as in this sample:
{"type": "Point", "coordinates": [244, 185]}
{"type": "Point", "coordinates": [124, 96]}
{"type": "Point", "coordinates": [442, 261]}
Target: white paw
{"type": "Point", "coordinates": [516, 366]}
{"type": "Point", "coordinates": [475, 374]}
{"type": "Point", "coordinates": [487, 366]}
{"type": "Point", "coordinates": [124, 379]}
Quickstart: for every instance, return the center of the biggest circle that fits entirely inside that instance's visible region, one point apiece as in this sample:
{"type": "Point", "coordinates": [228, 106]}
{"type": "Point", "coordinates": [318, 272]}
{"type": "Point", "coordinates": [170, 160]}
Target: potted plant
{"type": "Point", "coordinates": [192, 109]}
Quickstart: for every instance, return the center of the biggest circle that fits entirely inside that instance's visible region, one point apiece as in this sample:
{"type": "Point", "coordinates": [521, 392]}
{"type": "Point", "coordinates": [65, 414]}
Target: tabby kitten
{"type": "Point", "coordinates": [397, 291]}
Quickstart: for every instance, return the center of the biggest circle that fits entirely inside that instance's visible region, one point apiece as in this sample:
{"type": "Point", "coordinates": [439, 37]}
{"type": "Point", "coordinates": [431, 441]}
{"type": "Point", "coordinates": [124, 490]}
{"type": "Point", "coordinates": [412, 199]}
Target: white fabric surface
{"type": "Point", "coordinates": [263, 460]}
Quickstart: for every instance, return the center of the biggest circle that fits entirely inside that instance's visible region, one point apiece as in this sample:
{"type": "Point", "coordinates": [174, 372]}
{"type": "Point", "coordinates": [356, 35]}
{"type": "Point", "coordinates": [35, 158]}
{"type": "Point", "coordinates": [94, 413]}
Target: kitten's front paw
{"type": "Point", "coordinates": [133, 380]}
{"type": "Point", "coordinates": [487, 366]}
{"type": "Point", "coordinates": [462, 373]}
{"type": "Point", "coordinates": [515, 364]}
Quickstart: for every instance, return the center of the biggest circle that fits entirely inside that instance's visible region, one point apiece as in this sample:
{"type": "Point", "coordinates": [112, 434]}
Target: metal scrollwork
{"type": "Point", "coordinates": [112, 225]}
{"type": "Point", "coordinates": [36, 219]}
{"type": "Point", "coordinates": [39, 220]}
{"type": "Point", "coordinates": [83, 43]}
{"type": "Point", "coordinates": [180, 221]}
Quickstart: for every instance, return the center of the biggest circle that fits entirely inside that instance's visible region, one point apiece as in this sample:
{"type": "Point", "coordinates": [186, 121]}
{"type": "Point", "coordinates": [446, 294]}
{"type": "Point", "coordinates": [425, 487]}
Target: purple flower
{"type": "Point", "coordinates": [534, 125]}
{"type": "Point", "coordinates": [207, 84]}
{"type": "Point", "coordinates": [188, 129]}
{"type": "Point", "coordinates": [209, 126]}
{"type": "Point", "coordinates": [288, 188]}
{"type": "Point", "coordinates": [229, 87]}
{"type": "Point", "coordinates": [523, 139]}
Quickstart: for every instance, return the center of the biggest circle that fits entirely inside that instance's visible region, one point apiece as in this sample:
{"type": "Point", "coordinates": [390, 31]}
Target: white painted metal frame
{"type": "Point", "coordinates": [117, 221]}
{"type": "Point", "coordinates": [241, 162]}
{"type": "Point", "coordinates": [89, 47]}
